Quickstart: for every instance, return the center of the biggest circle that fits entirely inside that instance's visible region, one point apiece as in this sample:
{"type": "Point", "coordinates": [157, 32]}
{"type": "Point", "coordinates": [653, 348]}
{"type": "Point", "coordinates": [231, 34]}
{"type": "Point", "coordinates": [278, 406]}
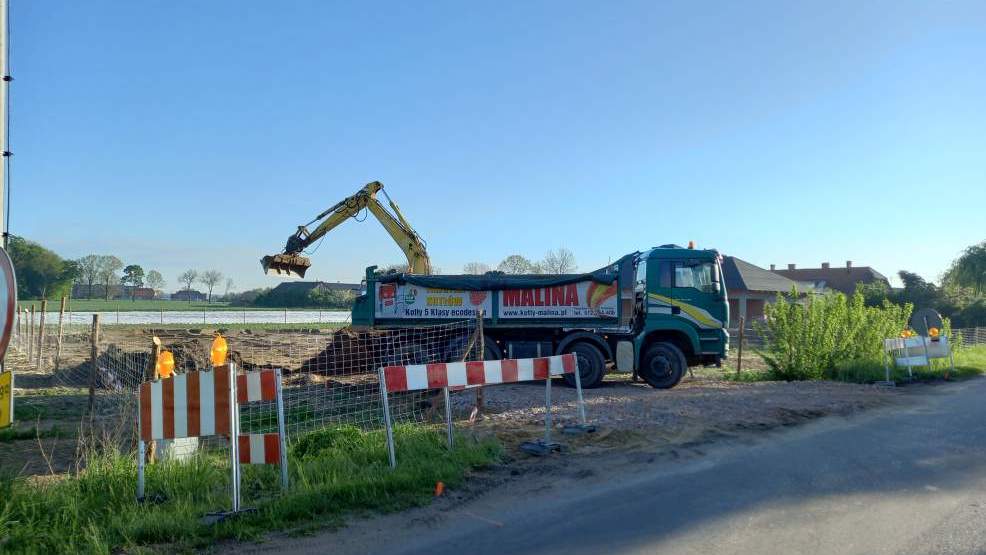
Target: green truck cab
{"type": "Point", "coordinates": [654, 313]}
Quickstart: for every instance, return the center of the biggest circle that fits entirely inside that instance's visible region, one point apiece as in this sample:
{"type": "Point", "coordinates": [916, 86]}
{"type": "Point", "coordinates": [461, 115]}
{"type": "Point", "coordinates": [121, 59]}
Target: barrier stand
{"type": "Point", "coordinates": [474, 374]}
{"type": "Point", "coordinates": [206, 403]}
{"type": "Point", "coordinates": [582, 427]}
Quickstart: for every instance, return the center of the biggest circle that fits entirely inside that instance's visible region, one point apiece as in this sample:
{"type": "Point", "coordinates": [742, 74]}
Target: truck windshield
{"type": "Point", "coordinates": [698, 275]}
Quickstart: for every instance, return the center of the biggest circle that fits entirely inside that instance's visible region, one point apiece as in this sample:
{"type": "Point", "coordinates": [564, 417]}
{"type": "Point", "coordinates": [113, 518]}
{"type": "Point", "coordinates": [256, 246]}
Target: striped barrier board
{"type": "Point", "coordinates": [205, 403]}
{"type": "Point", "coordinates": [260, 448]}
{"type": "Point", "coordinates": [193, 404]}
{"type": "Point", "coordinates": [457, 375]}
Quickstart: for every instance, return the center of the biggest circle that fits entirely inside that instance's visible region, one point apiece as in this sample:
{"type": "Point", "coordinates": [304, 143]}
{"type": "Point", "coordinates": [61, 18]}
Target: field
{"type": "Point", "coordinates": [124, 305]}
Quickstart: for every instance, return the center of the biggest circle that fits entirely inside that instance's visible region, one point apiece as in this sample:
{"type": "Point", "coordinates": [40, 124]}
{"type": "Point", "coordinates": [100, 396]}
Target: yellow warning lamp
{"type": "Point", "coordinates": [165, 364]}
{"type": "Point", "coordinates": [691, 244]}
{"type": "Point", "coordinates": [218, 352]}
{"type": "Point", "coordinates": [934, 333]}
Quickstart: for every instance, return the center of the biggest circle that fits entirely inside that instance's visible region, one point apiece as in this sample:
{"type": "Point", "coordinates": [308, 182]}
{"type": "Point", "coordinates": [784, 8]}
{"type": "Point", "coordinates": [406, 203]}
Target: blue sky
{"type": "Point", "coordinates": [199, 134]}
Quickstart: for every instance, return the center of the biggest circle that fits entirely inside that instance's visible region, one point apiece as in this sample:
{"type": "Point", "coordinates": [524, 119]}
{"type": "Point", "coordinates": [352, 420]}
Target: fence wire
{"type": "Point", "coordinates": [329, 376]}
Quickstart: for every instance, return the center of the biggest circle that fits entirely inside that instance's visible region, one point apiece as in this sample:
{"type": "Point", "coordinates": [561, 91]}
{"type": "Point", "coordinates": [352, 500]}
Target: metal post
{"type": "Point", "coordinates": [285, 316]}
{"type": "Point", "coordinates": [58, 342]}
{"type": "Point", "coordinates": [578, 391]}
{"type": "Point", "coordinates": [234, 437]}
{"type": "Point", "coordinates": [448, 416]}
{"type": "Point", "coordinates": [41, 333]}
{"type": "Point", "coordinates": [162, 316]}
{"type": "Point", "coordinates": [386, 418]}
{"type": "Point", "coordinates": [282, 433]}
{"type": "Point", "coordinates": [118, 316]}
{"type": "Point", "coordinates": [547, 402]}
{"type": "Point", "coordinates": [140, 464]}
{"type": "Point", "coordinates": [480, 394]}
{"type": "Point", "coordinates": [4, 106]}
{"type": "Point", "coordinates": [951, 359]}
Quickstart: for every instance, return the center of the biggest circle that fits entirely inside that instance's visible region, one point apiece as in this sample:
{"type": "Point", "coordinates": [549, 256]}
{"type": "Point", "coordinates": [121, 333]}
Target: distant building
{"type": "Point", "coordinates": [188, 295]}
{"type": "Point", "coordinates": [144, 293]}
{"type": "Point", "coordinates": [81, 291]}
{"type": "Point", "coordinates": [842, 279]}
{"type": "Point", "coordinates": [750, 288]}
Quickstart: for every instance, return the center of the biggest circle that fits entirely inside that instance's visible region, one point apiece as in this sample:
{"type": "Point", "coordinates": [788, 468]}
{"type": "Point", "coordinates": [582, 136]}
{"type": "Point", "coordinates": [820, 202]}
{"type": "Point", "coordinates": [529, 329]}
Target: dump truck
{"type": "Point", "coordinates": [653, 313]}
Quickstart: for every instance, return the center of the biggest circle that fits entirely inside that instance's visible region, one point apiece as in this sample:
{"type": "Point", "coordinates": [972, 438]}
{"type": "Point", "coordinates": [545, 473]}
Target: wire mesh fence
{"type": "Point", "coordinates": [329, 376]}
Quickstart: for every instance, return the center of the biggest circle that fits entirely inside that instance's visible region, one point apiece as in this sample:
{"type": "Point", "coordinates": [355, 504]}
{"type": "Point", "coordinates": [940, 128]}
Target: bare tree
{"type": "Point", "coordinates": [210, 278]}
{"type": "Point", "coordinates": [89, 270]}
{"type": "Point", "coordinates": [475, 268]}
{"type": "Point", "coordinates": [155, 280]}
{"type": "Point", "coordinates": [229, 286]}
{"type": "Point", "coordinates": [517, 264]}
{"type": "Point", "coordinates": [108, 267]}
{"type": "Point", "coordinates": [188, 277]}
{"type": "Point", "coordinates": [560, 261]}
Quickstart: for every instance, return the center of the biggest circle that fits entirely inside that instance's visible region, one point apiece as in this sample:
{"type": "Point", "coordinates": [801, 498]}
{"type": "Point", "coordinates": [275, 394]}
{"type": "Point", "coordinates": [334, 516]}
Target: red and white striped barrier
{"type": "Point", "coordinates": [460, 375]}
{"type": "Point", "coordinates": [260, 448]}
{"type": "Point", "coordinates": [484, 372]}
{"type": "Point", "coordinates": [205, 403]}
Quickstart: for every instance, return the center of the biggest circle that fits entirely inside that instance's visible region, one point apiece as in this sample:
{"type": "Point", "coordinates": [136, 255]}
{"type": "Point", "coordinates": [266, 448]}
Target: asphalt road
{"type": "Point", "coordinates": [911, 479]}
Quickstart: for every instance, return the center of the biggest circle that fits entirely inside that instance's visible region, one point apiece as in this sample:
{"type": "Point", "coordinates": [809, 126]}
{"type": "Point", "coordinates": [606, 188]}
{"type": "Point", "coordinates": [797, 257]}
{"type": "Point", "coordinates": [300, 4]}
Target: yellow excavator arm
{"type": "Point", "coordinates": [291, 262]}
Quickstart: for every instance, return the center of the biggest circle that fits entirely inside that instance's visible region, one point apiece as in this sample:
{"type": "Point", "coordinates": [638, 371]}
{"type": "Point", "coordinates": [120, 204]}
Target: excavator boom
{"type": "Point", "coordinates": [291, 262]}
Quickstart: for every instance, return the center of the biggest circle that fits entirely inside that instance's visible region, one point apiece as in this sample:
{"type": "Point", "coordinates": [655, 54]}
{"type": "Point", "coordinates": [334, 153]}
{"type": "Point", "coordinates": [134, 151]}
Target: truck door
{"type": "Point", "coordinates": [696, 291]}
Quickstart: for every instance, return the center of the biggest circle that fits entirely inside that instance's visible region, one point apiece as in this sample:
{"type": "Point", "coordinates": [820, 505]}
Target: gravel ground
{"type": "Point", "coordinates": [695, 406]}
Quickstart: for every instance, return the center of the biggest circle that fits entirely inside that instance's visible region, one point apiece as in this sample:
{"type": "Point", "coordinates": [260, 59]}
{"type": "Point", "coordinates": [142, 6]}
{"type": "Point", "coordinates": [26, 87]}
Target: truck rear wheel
{"type": "Point", "coordinates": [663, 365]}
{"type": "Point", "coordinates": [592, 365]}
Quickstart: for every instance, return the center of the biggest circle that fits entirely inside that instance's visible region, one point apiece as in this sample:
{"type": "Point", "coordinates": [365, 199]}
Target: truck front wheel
{"type": "Point", "coordinates": [592, 365]}
{"type": "Point", "coordinates": [663, 365]}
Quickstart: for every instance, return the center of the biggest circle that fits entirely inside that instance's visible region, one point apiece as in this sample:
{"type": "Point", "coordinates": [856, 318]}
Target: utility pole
{"type": "Point", "coordinates": [4, 117]}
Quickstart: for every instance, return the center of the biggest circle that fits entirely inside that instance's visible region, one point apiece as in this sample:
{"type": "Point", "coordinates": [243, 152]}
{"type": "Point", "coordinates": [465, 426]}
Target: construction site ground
{"type": "Point", "coordinates": [632, 419]}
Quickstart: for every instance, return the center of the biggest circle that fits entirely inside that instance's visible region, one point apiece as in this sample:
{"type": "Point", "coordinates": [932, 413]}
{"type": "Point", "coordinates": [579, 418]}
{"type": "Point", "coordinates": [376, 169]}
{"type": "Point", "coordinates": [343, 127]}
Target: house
{"type": "Point", "coordinates": [145, 293]}
{"type": "Point", "coordinates": [750, 288]}
{"type": "Point", "coordinates": [188, 295]}
{"type": "Point", "coordinates": [836, 279]}
{"type": "Point", "coordinates": [81, 291]}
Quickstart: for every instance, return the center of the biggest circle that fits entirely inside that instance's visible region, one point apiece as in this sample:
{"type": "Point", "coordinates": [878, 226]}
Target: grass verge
{"type": "Point", "coordinates": [334, 471]}
{"type": "Point", "coordinates": [969, 361]}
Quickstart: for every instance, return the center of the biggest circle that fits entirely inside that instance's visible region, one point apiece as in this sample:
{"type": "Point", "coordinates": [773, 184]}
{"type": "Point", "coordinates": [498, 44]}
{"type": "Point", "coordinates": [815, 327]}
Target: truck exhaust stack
{"type": "Point", "coordinates": [285, 264]}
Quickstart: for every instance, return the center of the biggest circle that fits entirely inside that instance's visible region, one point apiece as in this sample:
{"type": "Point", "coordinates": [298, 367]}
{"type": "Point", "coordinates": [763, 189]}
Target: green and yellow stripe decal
{"type": "Point", "coordinates": [690, 312]}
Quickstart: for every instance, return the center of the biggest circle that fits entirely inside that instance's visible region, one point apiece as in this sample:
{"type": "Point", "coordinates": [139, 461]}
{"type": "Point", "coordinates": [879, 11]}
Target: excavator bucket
{"type": "Point", "coordinates": [285, 264]}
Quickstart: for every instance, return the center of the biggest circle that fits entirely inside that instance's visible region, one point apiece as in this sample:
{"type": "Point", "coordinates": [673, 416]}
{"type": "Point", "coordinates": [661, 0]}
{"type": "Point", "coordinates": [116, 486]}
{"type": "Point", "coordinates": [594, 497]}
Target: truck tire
{"type": "Point", "coordinates": [663, 365]}
{"type": "Point", "coordinates": [592, 365]}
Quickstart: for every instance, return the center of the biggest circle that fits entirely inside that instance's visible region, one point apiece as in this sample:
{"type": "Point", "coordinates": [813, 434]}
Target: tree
{"type": "Point", "coordinates": [155, 280]}
{"type": "Point", "coordinates": [108, 267]}
{"type": "Point", "coordinates": [188, 277]}
{"type": "Point", "coordinates": [475, 268]}
{"type": "Point", "coordinates": [40, 272]}
{"type": "Point", "coordinates": [89, 270]}
{"type": "Point", "coordinates": [561, 261]}
{"type": "Point", "coordinates": [969, 270]}
{"type": "Point", "coordinates": [229, 286]}
{"type": "Point", "coordinates": [210, 278]}
{"type": "Point", "coordinates": [517, 264]}
{"type": "Point", "coordinates": [133, 275]}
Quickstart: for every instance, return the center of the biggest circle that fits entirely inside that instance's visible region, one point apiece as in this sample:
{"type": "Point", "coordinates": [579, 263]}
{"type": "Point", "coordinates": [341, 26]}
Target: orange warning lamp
{"type": "Point", "coordinates": [165, 364]}
{"type": "Point", "coordinates": [934, 334]}
{"type": "Point", "coordinates": [218, 351]}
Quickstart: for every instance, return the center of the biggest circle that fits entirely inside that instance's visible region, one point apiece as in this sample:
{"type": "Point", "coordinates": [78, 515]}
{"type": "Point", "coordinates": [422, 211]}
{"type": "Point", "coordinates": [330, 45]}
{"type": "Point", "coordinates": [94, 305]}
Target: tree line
{"type": "Point", "coordinates": [560, 261]}
{"type": "Point", "coordinates": [961, 296]}
{"type": "Point", "coordinates": [209, 278]}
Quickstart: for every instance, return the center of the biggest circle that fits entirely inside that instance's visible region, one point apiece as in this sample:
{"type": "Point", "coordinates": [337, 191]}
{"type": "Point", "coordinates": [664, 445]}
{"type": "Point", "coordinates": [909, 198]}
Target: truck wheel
{"type": "Point", "coordinates": [663, 365]}
{"type": "Point", "coordinates": [592, 365]}
{"type": "Point", "coordinates": [491, 351]}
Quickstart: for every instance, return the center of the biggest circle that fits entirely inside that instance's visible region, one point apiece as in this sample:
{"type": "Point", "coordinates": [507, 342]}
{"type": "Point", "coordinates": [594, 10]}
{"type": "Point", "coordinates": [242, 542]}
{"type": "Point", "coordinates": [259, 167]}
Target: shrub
{"type": "Point", "coordinates": [808, 338]}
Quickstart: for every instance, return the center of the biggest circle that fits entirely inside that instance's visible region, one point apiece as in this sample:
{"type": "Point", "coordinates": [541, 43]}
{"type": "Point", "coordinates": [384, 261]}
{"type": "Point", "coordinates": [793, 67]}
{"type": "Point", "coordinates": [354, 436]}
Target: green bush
{"type": "Point", "coordinates": [809, 338]}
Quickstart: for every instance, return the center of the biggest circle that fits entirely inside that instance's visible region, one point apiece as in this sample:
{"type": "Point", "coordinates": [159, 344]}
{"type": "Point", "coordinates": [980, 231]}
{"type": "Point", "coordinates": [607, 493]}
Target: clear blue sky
{"type": "Point", "coordinates": [187, 134]}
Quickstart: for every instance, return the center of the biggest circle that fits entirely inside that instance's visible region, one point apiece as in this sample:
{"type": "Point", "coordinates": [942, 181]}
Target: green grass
{"type": "Point", "coordinates": [334, 472]}
{"type": "Point", "coordinates": [15, 433]}
{"type": "Point", "coordinates": [969, 362]}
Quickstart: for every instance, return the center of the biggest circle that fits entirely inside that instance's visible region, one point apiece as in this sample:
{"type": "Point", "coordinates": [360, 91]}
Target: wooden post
{"type": "Point", "coordinates": [739, 355]}
{"type": "Point", "coordinates": [41, 333]}
{"type": "Point", "coordinates": [30, 337]}
{"type": "Point", "coordinates": [58, 341]}
{"type": "Point", "coordinates": [94, 357]}
{"type": "Point", "coordinates": [151, 373]}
